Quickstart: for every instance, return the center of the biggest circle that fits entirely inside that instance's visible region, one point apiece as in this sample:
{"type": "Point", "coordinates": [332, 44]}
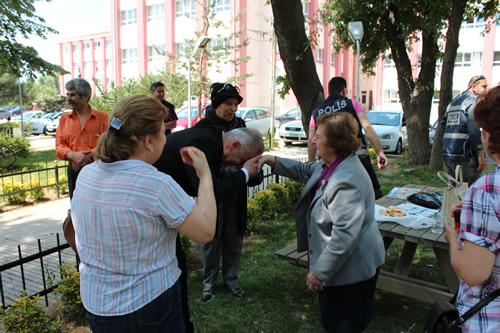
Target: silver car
{"type": "Point", "coordinates": [257, 118]}
{"type": "Point", "coordinates": [40, 125]}
{"type": "Point", "coordinates": [292, 131]}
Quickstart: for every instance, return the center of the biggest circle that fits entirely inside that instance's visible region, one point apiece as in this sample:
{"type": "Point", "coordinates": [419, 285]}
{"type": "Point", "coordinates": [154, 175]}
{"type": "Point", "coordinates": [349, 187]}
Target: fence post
{"type": "Point", "coordinates": [57, 180]}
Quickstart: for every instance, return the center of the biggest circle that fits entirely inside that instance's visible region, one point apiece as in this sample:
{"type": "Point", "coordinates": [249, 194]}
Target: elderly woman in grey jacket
{"type": "Point", "coordinates": [335, 223]}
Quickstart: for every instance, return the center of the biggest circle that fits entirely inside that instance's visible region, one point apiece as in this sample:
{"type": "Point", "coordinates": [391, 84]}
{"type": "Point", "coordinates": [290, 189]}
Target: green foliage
{"type": "Point", "coordinates": [186, 243]}
{"type": "Point", "coordinates": [69, 289]}
{"type": "Point", "coordinates": [14, 198]}
{"type": "Point", "coordinates": [269, 205]}
{"type": "Point", "coordinates": [372, 153]}
{"type": "Point", "coordinates": [253, 216]}
{"type": "Point", "coordinates": [27, 315]}
{"type": "Point", "coordinates": [37, 194]}
{"type": "Point", "coordinates": [18, 19]}
{"type": "Point", "coordinates": [280, 193]}
{"type": "Point", "coordinates": [294, 189]}
{"type": "Point", "coordinates": [44, 90]}
{"type": "Point", "coordinates": [13, 147]}
{"type": "Point", "coordinates": [283, 86]}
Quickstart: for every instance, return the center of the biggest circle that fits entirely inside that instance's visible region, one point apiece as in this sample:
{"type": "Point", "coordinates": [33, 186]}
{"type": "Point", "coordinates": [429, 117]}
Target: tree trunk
{"type": "Point", "coordinates": [446, 91]}
{"type": "Point", "coordinates": [297, 56]}
{"type": "Point", "coordinates": [415, 95]}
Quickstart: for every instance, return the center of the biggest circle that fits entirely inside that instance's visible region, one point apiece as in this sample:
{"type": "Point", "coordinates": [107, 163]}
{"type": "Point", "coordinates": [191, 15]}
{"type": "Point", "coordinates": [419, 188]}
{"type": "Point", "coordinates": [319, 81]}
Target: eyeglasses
{"type": "Point", "coordinates": [227, 86]}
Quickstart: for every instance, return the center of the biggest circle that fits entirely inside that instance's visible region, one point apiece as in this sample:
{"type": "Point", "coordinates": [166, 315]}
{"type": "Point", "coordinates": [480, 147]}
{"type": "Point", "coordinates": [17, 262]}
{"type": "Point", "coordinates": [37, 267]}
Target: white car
{"type": "Point", "coordinates": [292, 131]}
{"type": "Point", "coordinates": [28, 117]}
{"type": "Point", "coordinates": [40, 125]}
{"type": "Point", "coordinates": [51, 127]}
{"type": "Point", "coordinates": [390, 128]}
{"type": "Point", "coordinates": [256, 118]}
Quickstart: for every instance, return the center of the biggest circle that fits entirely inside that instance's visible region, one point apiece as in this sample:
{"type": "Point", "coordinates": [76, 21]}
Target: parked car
{"type": "Point", "coordinates": [293, 114]}
{"type": "Point", "coordinates": [4, 114]}
{"type": "Point", "coordinates": [28, 117]}
{"type": "Point", "coordinates": [292, 131]}
{"type": "Point", "coordinates": [432, 132]}
{"type": "Point", "coordinates": [51, 127]}
{"type": "Point", "coordinates": [40, 125]}
{"type": "Point", "coordinates": [183, 115]}
{"type": "Point", "coordinates": [257, 118]}
{"type": "Point", "coordinates": [390, 128]}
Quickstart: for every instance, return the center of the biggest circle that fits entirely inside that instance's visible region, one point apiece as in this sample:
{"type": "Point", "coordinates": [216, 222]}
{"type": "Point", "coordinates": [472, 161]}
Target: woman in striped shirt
{"type": "Point", "coordinates": [126, 217]}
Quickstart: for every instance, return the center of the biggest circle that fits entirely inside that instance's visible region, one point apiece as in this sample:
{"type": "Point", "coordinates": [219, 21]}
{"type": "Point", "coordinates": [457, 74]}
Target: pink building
{"type": "Point", "coordinates": [89, 57]}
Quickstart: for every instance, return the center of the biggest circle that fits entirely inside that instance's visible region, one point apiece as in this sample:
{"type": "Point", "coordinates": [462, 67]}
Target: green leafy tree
{"type": "Point", "coordinates": [396, 25]}
{"type": "Point", "coordinates": [9, 90]}
{"type": "Point", "coordinates": [43, 91]}
{"type": "Point", "coordinates": [18, 19]}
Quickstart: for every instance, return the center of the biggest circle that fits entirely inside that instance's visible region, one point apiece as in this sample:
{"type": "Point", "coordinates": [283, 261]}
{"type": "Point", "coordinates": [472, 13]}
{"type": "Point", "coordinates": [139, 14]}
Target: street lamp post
{"type": "Point", "coordinates": [355, 30]}
{"type": "Point", "coordinates": [200, 44]}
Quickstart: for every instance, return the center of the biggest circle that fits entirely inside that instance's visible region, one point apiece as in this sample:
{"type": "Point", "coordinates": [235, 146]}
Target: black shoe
{"type": "Point", "coordinates": [206, 294]}
{"type": "Point", "coordinates": [238, 292]}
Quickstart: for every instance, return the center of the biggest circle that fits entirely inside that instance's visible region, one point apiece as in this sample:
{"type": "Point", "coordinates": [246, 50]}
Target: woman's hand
{"type": "Point", "coordinates": [197, 159]}
{"type": "Point", "coordinates": [313, 283]}
{"type": "Point", "coordinates": [451, 236]}
{"type": "Point", "coordinates": [267, 159]}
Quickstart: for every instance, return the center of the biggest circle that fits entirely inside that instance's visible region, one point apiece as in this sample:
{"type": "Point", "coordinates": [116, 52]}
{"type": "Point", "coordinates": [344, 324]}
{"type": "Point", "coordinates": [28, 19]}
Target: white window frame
{"type": "Point", "coordinates": [156, 53]}
{"type": "Point", "coordinates": [468, 59]}
{"type": "Point", "coordinates": [97, 45]}
{"type": "Point", "coordinates": [129, 55]}
{"type": "Point", "coordinates": [128, 16]}
{"type": "Point", "coordinates": [184, 8]}
{"type": "Point", "coordinates": [496, 58]}
{"type": "Point", "coordinates": [474, 23]}
{"type": "Point", "coordinates": [332, 59]}
{"type": "Point", "coordinates": [220, 45]}
{"type": "Point", "coordinates": [156, 12]}
{"type": "Point", "coordinates": [219, 5]}
{"type": "Point", "coordinates": [391, 96]}
{"type": "Point", "coordinates": [319, 56]}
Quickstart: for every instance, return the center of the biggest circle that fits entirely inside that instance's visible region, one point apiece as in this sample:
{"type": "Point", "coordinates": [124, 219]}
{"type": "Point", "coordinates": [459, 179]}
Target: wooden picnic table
{"type": "Point", "coordinates": [398, 281]}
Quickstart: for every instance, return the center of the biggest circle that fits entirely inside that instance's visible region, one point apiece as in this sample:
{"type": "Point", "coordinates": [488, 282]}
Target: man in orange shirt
{"type": "Point", "coordinates": [79, 131]}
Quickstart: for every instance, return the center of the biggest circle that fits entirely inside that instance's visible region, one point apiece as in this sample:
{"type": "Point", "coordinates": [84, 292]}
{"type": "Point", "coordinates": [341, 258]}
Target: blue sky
{"type": "Point", "coordinates": [72, 18]}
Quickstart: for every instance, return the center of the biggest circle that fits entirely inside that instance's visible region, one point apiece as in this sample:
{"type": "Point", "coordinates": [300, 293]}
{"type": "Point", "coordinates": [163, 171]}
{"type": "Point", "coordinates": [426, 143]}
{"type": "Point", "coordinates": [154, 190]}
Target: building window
{"type": "Point", "coordinates": [496, 59]}
{"type": "Point", "coordinates": [474, 22]}
{"type": "Point", "coordinates": [129, 55]}
{"type": "Point", "coordinates": [108, 43]}
{"type": "Point", "coordinates": [305, 8]}
{"type": "Point", "coordinates": [86, 65]}
{"type": "Point", "coordinates": [389, 63]}
{"type": "Point", "coordinates": [219, 5]}
{"type": "Point", "coordinates": [76, 47]}
{"type": "Point", "coordinates": [184, 7]}
{"type": "Point", "coordinates": [86, 46]}
{"type": "Point", "coordinates": [156, 53]}
{"type": "Point", "coordinates": [108, 82]}
{"type": "Point", "coordinates": [97, 65]}
{"type": "Point", "coordinates": [181, 49]}
{"type": "Point", "coordinates": [108, 62]}
{"type": "Point", "coordinates": [364, 96]}
{"type": "Point", "coordinates": [468, 59]}
{"type": "Point", "coordinates": [391, 96]}
{"type": "Point", "coordinates": [155, 12]}
{"type": "Point", "coordinates": [220, 45]}
{"type": "Point", "coordinates": [129, 16]}
{"type": "Point", "coordinates": [97, 45]}
{"type": "Point", "coordinates": [332, 59]}
{"type": "Point", "coordinates": [319, 56]}
{"type": "Point", "coordinates": [66, 49]}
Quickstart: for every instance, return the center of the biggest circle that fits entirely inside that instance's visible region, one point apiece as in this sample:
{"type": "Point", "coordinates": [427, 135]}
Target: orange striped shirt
{"type": "Point", "coordinates": [70, 136]}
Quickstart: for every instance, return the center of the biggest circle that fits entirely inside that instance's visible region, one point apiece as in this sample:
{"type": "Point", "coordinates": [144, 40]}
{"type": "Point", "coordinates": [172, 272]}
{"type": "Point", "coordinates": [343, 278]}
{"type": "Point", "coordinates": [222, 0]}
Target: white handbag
{"type": "Point", "coordinates": [453, 193]}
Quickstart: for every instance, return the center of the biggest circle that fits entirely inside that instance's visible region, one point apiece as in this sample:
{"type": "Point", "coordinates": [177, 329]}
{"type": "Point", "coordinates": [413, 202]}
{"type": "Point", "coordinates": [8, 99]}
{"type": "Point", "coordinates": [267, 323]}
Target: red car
{"type": "Point", "coordinates": [183, 115]}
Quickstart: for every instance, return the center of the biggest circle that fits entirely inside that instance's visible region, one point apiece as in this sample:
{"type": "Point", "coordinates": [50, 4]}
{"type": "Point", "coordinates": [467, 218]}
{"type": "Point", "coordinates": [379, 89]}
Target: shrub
{"type": "Point", "coordinates": [372, 153]}
{"type": "Point", "coordinates": [294, 189]}
{"type": "Point", "coordinates": [37, 194]}
{"type": "Point", "coordinates": [69, 289]}
{"type": "Point", "coordinates": [186, 243]}
{"type": "Point", "coordinates": [253, 216]}
{"type": "Point", "coordinates": [280, 193]}
{"type": "Point", "coordinates": [13, 147]}
{"type": "Point", "coordinates": [14, 198]}
{"type": "Point", "coordinates": [269, 205]}
{"type": "Point", "coordinates": [27, 315]}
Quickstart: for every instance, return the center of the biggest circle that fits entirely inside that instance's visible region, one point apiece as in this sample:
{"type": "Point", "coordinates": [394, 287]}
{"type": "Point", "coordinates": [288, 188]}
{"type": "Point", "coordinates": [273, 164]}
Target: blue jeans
{"type": "Point", "coordinates": [163, 314]}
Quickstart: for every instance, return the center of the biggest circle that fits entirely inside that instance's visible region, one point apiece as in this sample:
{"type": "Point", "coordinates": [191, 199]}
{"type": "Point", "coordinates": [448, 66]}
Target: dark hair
{"type": "Point", "coordinates": [336, 85]}
{"type": "Point", "coordinates": [81, 86]}
{"type": "Point", "coordinates": [139, 115]}
{"type": "Point", "coordinates": [341, 131]}
{"type": "Point", "coordinates": [155, 85]}
{"type": "Point", "coordinates": [222, 92]}
{"type": "Point", "coordinates": [487, 116]}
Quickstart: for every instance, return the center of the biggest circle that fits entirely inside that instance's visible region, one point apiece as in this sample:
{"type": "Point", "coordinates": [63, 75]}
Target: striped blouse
{"type": "Point", "coordinates": [125, 216]}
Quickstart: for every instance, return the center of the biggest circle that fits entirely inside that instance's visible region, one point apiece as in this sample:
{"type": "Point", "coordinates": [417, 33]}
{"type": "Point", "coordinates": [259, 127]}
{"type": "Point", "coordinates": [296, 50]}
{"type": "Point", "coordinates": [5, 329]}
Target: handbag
{"type": "Point", "coordinates": [430, 200]}
{"type": "Point", "coordinates": [453, 192]}
{"type": "Point", "coordinates": [444, 317]}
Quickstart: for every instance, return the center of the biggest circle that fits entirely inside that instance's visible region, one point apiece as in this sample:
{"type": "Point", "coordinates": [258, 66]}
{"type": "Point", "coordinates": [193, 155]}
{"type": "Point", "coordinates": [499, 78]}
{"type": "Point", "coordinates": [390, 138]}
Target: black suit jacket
{"type": "Point", "coordinates": [208, 140]}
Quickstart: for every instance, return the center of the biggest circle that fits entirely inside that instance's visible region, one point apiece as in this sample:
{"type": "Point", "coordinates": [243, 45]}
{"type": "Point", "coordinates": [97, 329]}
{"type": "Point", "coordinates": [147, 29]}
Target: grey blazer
{"type": "Point", "coordinates": [337, 223]}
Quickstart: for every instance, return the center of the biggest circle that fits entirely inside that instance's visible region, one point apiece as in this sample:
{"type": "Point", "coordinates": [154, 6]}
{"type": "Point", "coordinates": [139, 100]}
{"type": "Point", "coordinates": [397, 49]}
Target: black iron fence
{"type": "Point", "coordinates": [34, 179]}
{"type": "Point", "coordinates": [38, 273]}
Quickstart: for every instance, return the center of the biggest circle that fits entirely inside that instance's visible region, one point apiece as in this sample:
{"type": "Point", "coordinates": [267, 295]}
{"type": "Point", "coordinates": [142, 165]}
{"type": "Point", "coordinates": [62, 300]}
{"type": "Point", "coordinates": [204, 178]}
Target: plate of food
{"type": "Point", "coordinates": [400, 216]}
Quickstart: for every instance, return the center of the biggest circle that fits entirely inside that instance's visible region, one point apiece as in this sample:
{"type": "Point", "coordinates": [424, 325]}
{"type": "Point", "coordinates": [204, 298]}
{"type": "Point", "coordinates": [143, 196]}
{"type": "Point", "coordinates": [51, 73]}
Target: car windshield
{"type": "Point", "coordinates": [293, 113]}
{"type": "Point", "coordinates": [383, 118]}
{"type": "Point", "coordinates": [184, 113]}
{"type": "Point", "coordinates": [26, 116]}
